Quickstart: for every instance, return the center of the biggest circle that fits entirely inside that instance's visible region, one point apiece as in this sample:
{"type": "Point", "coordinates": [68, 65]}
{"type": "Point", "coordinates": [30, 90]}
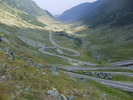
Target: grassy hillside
{"type": "Point", "coordinates": [102, 12]}
{"type": "Point", "coordinates": [107, 43]}
{"type": "Point", "coordinates": [107, 29]}
{"type": "Point", "coordinates": [111, 44]}
{"type": "Point", "coordinates": [26, 10]}
{"type": "Point", "coordinates": [117, 13]}
{"type": "Point", "coordinates": [74, 13]}
{"type": "Point", "coordinates": [25, 73]}
{"type": "Point", "coordinates": [29, 7]}
{"type": "Point", "coordinates": [22, 80]}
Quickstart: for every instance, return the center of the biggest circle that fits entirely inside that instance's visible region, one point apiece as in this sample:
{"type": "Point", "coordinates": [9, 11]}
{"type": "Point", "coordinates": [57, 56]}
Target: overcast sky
{"type": "Point", "coordinates": [59, 6]}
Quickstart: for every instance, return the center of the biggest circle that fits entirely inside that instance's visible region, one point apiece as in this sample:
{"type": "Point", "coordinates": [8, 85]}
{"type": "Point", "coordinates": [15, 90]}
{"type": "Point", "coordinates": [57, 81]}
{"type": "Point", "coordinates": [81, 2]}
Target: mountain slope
{"type": "Point", "coordinates": [26, 10]}
{"type": "Point", "coordinates": [115, 13]}
{"type": "Point", "coordinates": [102, 12]}
{"type": "Point", "coordinates": [108, 29]}
{"type": "Point", "coordinates": [29, 7]}
{"type": "Point", "coordinates": [75, 12]}
{"type": "Point", "coordinates": [24, 73]}
{"type": "Point", "coordinates": [27, 74]}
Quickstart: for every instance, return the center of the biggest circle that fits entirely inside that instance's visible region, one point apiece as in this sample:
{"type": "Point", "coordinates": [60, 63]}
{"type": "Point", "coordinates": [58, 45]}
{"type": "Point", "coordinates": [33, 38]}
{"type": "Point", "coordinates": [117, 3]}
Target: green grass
{"type": "Point", "coordinates": [31, 77]}
{"type": "Point", "coordinates": [42, 80]}
{"type": "Point", "coordinates": [69, 43]}
{"type": "Point", "coordinates": [35, 80]}
{"type": "Point", "coordinates": [111, 43]}
{"type": "Point", "coordinates": [30, 19]}
{"type": "Point", "coordinates": [51, 51]}
{"type": "Point", "coordinates": [123, 78]}
{"type": "Point", "coordinates": [68, 52]}
{"type": "Point", "coordinates": [107, 43]}
{"type": "Point", "coordinates": [23, 15]}
{"type": "Point", "coordinates": [38, 35]}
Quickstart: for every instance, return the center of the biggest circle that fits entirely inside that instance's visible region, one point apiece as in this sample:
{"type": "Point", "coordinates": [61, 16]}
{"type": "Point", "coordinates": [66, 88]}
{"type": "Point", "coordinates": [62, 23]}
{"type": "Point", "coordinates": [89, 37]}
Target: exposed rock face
{"type": "Point", "coordinates": [104, 98]}
{"type": "Point", "coordinates": [11, 54]}
{"type": "Point", "coordinates": [71, 97]}
{"type": "Point", "coordinates": [33, 63]}
{"type": "Point", "coordinates": [54, 71]}
{"type": "Point", "coordinates": [39, 65]}
{"type": "Point", "coordinates": [62, 97]}
{"type": "Point", "coordinates": [27, 89]}
{"type": "Point", "coordinates": [52, 93]}
{"type": "Point", "coordinates": [3, 78]}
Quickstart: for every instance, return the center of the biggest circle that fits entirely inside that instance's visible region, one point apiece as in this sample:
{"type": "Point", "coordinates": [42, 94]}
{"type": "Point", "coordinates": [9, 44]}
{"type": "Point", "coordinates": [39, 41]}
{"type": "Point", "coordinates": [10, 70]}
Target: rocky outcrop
{"type": "Point", "coordinates": [11, 55]}
{"type": "Point", "coordinates": [6, 67]}
{"type": "Point", "coordinates": [99, 75]}
{"type": "Point", "coordinates": [54, 71]}
{"type": "Point", "coordinates": [71, 97]}
{"type": "Point", "coordinates": [33, 63]}
{"type": "Point", "coordinates": [3, 78]}
{"type": "Point", "coordinates": [55, 94]}
{"type": "Point", "coordinates": [7, 48]}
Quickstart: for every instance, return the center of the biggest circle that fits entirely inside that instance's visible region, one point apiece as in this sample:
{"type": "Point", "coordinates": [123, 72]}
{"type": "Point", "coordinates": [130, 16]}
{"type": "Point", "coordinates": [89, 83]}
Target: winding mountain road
{"type": "Point", "coordinates": [121, 85]}
{"type": "Point", "coordinates": [56, 45]}
{"type": "Point", "coordinates": [61, 56]}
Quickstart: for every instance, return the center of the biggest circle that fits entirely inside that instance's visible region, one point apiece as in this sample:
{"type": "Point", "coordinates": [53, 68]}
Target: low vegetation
{"type": "Point", "coordinates": [29, 82]}
{"type": "Point", "coordinates": [25, 73]}
{"type": "Point", "coordinates": [123, 78]}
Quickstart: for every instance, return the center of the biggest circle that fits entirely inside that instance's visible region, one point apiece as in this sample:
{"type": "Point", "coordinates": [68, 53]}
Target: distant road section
{"type": "Point", "coordinates": [60, 51]}
{"type": "Point", "coordinates": [56, 45]}
{"type": "Point", "coordinates": [124, 63]}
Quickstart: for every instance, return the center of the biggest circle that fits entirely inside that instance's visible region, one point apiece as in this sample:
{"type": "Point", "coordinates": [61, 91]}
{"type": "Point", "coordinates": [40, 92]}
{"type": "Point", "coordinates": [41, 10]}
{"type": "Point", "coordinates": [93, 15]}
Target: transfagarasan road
{"type": "Point", "coordinates": [116, 84]}
{"type": "Point", "coordinates": [62, 56]}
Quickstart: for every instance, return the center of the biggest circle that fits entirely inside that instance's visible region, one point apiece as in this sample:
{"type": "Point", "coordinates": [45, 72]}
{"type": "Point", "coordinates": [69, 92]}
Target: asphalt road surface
{"type": "Point", "coordinates": [115, 84]}
{"type": "Point", "coordinates": [62, 56]}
